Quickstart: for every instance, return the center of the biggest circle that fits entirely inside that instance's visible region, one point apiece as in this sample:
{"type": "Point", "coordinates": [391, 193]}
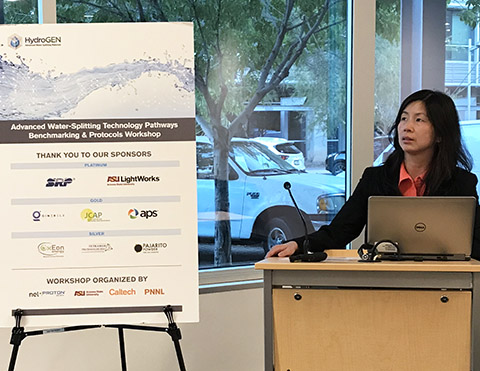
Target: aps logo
{"type": "Point", "coordinates": [58, 182]}
{"type": "Point", "coordinates": [134, 214]}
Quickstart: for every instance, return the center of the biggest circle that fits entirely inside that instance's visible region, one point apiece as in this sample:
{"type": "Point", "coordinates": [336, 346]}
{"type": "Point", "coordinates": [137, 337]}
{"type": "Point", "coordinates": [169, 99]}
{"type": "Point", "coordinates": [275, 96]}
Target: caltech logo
{"type": "Point", "coordinates": [58, 182]}
{"type": "Point", "coordinates": [134, 214]}
{"type": "Point", "coordinates": [92, 216]}
{"type": "Point", "coordinates": [38, 215]}
{"type": "Point", "coordinates": [15, 41]}
{"type": "Point", "coordinates": [48, 249]}
{"type": "Point", "coordinates": [150, 247]}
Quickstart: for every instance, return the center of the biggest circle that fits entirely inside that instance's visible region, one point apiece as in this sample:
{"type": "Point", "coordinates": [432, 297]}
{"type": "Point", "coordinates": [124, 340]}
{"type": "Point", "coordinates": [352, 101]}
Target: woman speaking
{"type": "Point", "coordinates": [429, 159]}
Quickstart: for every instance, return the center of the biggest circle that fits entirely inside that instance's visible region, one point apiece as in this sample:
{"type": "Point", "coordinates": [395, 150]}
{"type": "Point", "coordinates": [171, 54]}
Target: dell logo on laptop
{"type": "Point", "coordinates": [420, 227]}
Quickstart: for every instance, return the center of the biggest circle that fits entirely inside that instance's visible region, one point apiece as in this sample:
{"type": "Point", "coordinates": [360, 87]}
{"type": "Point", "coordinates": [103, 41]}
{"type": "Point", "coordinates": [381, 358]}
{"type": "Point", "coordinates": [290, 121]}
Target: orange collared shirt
{"type": "Point", "coordinates": [409, 186]}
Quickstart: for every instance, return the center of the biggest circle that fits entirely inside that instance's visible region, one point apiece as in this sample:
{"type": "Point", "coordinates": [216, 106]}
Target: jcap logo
{"type": "Point", "coordinates": [58, 182]}
{"type": "Point", "coordinates": [92, 216]}
{"type": "Point", "coordinates": [134, 213]}
{"type": "Point", "coordinates": [15, 41]}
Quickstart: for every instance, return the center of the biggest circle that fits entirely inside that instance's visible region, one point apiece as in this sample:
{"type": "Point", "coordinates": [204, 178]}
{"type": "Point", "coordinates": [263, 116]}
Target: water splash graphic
{"type": "Point", "coordinates": [27, 95]}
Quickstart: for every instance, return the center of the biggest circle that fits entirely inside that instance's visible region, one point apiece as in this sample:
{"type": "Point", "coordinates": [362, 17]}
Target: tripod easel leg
{"type": "Point", "coordinates": [123, 357]}
{"type": "Point", "coordinates": [18, 334]}
{"type": "Point", "coordinates": [176, 335]}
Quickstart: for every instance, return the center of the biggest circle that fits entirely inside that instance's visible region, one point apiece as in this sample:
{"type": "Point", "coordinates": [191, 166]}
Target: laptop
{"type": "Point", "coordinates": [425, 228]}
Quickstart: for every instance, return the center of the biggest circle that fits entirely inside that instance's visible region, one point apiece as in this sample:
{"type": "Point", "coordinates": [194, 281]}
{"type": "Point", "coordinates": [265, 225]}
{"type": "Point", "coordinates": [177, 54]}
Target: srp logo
{"type": "Point", "coordinates": [58, 182]}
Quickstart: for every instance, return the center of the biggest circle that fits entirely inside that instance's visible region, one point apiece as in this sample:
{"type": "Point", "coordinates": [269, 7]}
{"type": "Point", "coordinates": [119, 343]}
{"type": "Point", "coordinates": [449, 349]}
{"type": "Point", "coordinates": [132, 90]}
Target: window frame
{"type": "Point", "coordinates": [360, 100]}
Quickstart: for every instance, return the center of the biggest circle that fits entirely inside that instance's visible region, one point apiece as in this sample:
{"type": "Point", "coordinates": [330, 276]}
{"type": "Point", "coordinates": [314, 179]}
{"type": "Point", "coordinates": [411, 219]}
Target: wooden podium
{"type": "Point", "coordinates": [344, 315]}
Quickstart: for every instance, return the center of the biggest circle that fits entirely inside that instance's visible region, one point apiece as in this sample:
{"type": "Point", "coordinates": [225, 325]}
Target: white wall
{"type": "Point", "coordinates": [228, 337]}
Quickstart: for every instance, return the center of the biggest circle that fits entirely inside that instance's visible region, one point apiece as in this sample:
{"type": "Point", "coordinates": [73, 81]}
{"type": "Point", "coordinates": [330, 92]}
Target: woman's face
{"type": "Point", "coordinates": [416, 134]}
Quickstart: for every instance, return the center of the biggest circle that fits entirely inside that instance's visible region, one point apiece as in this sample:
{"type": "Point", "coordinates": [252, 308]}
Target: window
{"type": "Point", "coordinates": [462, 72]}
{"type": "Point", "coordinates": [387, 75]}
{"type": "Point", "coordinates": [298, 97]}
{"type": "Point", "coordinates": [20, 11]}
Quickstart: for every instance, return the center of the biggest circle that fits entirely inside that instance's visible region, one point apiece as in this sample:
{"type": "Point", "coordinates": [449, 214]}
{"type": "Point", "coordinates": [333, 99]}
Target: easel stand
{"type": "Point", "coordinates": [19, 333]}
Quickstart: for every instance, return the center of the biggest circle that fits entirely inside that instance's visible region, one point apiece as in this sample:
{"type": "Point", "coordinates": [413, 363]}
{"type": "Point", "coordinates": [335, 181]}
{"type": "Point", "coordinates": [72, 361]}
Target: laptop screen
{"type": "Point", "coordinates": [423, 226]}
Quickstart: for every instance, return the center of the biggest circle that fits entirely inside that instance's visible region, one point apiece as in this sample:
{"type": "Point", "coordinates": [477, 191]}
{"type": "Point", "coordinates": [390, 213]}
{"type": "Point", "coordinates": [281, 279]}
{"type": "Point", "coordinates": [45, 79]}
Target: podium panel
{"type": "Point", "coordinates": [342, 315]}
{"type": "Point", "coordinates": [365, 329]}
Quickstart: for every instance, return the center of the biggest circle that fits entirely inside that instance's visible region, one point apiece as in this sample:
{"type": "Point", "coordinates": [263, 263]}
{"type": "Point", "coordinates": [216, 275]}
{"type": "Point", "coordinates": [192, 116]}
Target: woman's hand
{"type": "Point", "coordinates": [283, 250]}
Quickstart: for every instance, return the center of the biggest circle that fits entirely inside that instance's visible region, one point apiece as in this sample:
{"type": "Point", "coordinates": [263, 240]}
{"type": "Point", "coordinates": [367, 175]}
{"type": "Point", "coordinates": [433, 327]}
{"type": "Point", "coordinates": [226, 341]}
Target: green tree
{"type": "Point", "coordinates": [244, 50]}
{"type": "Point", "coordinates": [20, 12]}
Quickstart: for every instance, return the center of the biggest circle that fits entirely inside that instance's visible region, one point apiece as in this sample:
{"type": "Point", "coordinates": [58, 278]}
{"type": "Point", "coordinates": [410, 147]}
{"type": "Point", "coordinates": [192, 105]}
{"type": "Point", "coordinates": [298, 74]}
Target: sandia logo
{"type": "Point", "coordinates": [15, 41]}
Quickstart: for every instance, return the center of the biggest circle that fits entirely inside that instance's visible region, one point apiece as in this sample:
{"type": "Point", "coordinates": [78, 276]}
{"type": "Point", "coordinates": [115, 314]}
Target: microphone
{"type": "Point", "coordinates": [306, 255]}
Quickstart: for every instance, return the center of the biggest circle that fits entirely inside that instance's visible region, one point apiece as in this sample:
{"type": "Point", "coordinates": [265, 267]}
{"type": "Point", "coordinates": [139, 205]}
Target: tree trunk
{"type": "Point", "coordinates": [223, 238]}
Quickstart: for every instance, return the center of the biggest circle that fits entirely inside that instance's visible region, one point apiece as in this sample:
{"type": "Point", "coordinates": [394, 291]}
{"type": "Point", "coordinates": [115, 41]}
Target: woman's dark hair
{"type": "Point", "coordinates": [449, 151]}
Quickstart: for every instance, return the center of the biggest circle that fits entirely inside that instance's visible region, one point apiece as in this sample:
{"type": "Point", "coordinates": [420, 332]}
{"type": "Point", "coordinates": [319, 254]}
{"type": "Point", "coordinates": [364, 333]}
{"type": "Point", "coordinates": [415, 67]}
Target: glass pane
{"type": "Point", "coordinates": [283, 104]}
{"type": "Point", "coordinates": [20, 11]}
{"type": "Point", "coordinates": [387, 74]}
{"type": "Point", "coordinates": [462, 80]}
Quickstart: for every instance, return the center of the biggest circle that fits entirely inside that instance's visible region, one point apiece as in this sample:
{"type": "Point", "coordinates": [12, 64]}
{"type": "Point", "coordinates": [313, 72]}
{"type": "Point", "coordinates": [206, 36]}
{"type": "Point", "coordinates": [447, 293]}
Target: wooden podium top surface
{"type": "Point", "coordinates": [348, 260]}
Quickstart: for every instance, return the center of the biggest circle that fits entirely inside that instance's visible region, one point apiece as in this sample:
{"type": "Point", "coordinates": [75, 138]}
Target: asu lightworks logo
{"type": "Point", "coordinates": [119, 180]}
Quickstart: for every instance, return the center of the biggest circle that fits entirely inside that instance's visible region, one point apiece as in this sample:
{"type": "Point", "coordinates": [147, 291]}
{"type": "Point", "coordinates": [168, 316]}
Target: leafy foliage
{"type": "Point", "coordinates": [22, 11]}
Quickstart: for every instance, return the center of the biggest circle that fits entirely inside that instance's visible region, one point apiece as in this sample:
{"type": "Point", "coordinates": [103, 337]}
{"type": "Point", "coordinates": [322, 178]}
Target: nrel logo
{"type": "Point", "coordinates": [58, 182]}
{"type": "Point", "coordinates": [15, 41]}
{"type": "Point", "coordinates": [134, 214]}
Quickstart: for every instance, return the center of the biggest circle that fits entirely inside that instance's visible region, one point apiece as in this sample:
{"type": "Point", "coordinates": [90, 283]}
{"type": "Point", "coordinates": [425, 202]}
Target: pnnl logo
{"type": "Point", "coordinates": [15, 41]}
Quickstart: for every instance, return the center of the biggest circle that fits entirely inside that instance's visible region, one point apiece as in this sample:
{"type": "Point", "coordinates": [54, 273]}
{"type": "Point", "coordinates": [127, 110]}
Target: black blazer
{"type": "Point", "coordinates": [382, 181]}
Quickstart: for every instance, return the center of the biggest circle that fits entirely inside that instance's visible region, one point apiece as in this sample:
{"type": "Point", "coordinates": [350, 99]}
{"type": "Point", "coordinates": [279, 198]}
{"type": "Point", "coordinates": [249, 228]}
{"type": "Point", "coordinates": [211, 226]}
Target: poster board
{"type": "Point", "coordinates": [97, 152]}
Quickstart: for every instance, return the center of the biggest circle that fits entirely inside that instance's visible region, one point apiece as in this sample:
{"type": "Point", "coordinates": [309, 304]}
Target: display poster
{"type": "Point", "coordinates": [97, 156]}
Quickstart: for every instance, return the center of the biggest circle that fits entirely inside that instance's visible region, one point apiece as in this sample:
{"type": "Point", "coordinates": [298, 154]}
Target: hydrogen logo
{"type": "Point", "coordinates": [133, 213]}
{"type": "Point", "coordinates": [36, 216]}
{"type": "Point", "coordinates": [15, 41]}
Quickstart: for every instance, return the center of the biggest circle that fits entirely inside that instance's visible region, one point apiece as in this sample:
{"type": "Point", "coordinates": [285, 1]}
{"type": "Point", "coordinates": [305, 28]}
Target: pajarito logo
{"type": "Point", "coordinates": [48, 249]}
{"type": "Point", "coordinates": [150, 247]}
{"type": "Point", "coordinates": [15, 41]}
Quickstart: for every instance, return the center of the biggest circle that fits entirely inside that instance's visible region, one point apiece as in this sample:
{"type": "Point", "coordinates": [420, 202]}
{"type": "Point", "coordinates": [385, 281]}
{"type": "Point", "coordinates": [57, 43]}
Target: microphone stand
{"type": "Point", "coordinates": [306, 255]}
